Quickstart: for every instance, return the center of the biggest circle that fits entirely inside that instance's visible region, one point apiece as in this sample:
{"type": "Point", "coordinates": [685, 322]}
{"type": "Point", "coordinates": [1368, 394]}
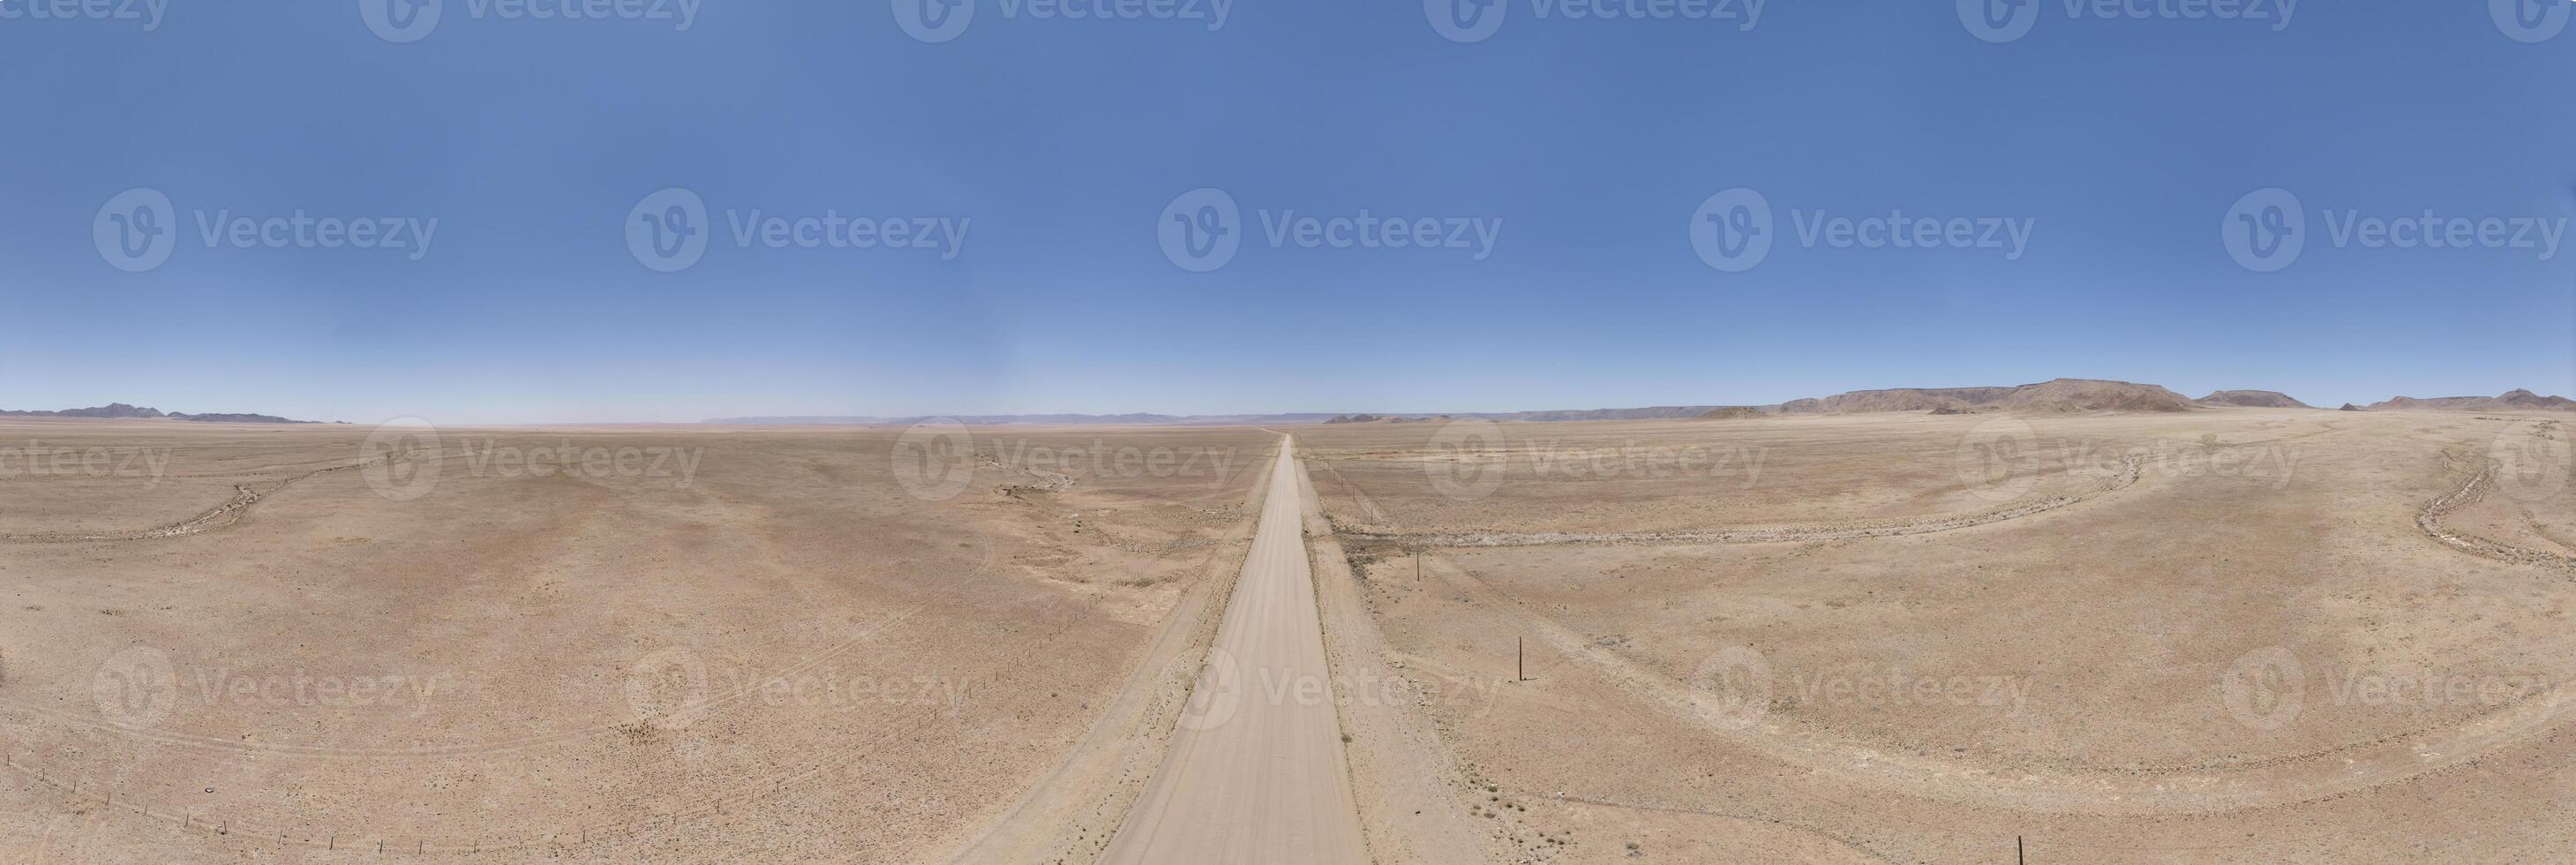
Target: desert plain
{"type": "Point", "coordinates": [2218, 635]}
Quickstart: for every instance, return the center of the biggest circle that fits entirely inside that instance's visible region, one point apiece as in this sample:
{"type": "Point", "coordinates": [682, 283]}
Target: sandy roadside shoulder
{"type": "Point", "coordinates": [1073, 810]}
{"type": "Point", "coordinates": [1406, 780]}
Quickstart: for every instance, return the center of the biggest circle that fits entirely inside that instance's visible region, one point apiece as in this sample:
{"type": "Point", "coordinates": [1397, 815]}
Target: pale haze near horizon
{"type": "Point", "coordinates": [2122, 143]}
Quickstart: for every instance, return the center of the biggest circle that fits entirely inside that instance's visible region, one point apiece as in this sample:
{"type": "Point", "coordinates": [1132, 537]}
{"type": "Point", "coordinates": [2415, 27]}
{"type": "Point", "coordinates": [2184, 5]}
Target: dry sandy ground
{"type": "Point", "coordinates": [2224, 636]}
{"type": "Point", "coordinates": [684, 644]}
{"type": "Point", "coordinates": [2245, 635]}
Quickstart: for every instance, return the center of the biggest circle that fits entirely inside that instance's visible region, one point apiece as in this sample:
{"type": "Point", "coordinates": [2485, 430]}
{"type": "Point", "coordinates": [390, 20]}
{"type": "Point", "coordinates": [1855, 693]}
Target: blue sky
{"type": "Point", "coordinates": [1583, 145]}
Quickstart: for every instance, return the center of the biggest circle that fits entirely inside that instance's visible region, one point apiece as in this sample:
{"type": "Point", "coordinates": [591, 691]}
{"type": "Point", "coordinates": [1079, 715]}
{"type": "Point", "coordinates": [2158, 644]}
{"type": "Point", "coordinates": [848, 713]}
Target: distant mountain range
{"type": "Point", "coordinates": [2065, 394]}
{"type": "Point", "coordinates": [121, 410]}
{"type": "Point", "coordinates": [2512, 400]}
{"type": "Point", "coordinates": [1039, 419]}
{"type": "Point", "coordinates": [2055, 395]}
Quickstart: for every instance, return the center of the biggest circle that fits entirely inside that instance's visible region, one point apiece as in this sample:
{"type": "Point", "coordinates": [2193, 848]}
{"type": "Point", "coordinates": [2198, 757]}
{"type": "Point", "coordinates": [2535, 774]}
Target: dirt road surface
{"type": "Point", "coordinates": [1256, 772]}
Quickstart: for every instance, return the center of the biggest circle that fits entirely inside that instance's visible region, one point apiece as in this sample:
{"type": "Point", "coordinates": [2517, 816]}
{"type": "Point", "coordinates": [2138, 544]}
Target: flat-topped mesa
{"type": "Point", "coordinates": [2057, 395]}
{"type": "Point", "coordinates": [2512, 400]}
{"type": "Point", "coordinates": [2253, 399]}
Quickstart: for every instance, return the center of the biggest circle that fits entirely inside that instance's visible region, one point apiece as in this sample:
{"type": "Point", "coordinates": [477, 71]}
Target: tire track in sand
{"type": "Point", "coordinates": [2131, 468]}
{"type": "Point", "coordinates": [2270, 782]}
{"type": "Point", "coordinates": [208, 520]}
{"type": "Point", "coordinates": [2473, 491]}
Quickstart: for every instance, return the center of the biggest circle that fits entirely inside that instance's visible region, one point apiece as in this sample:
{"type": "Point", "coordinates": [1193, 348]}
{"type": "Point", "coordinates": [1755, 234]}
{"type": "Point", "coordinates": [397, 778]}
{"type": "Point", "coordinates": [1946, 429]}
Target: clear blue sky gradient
{"type": "Point", "coordinates": [2124, 141]}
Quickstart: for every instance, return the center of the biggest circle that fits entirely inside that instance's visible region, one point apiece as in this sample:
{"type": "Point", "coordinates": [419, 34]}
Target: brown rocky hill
{"type": "Point", "coordinates": [2512, 400]}
{"type": "Point", "coordinates": [2064, 394]}
{"type": "Point", "coordinates": [2253, 399]}
{"type": "Point", "coordinates": [1898, 399]}
{"type": "Point", "coordinates": [1732, 412]}
{"type": "Point", "coordinates": [2083, 394]}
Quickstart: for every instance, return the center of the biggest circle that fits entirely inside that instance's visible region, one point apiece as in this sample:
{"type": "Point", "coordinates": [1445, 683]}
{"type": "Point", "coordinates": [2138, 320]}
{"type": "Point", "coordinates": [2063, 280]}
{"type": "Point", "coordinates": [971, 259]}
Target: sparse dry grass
{"type": "Point", "coordinates": [881, 672]}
